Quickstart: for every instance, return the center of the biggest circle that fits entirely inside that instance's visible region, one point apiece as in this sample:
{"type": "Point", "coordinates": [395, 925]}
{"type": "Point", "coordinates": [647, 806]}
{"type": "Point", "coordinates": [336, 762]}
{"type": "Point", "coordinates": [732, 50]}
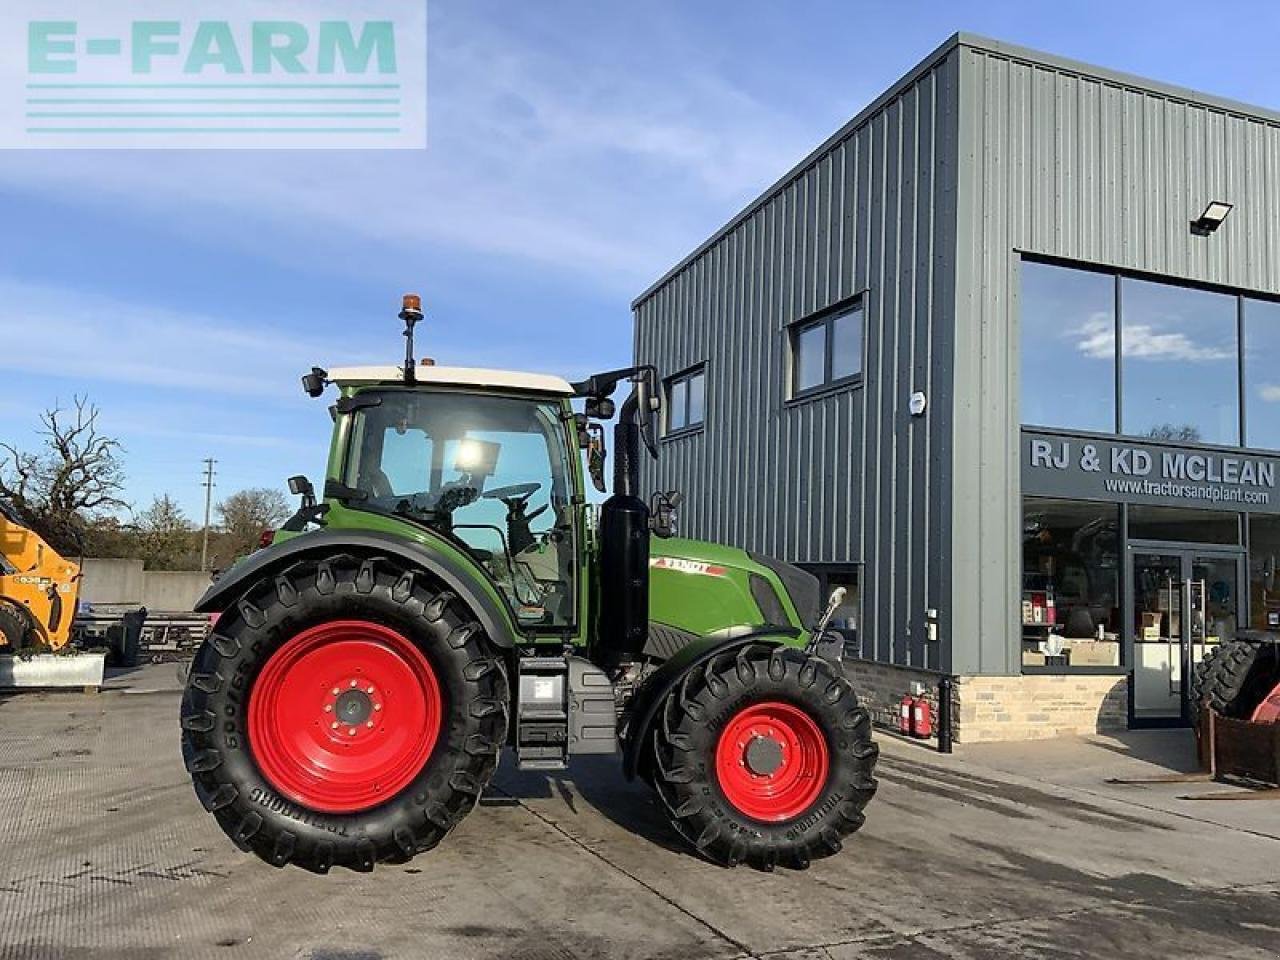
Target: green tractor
{"type": "Point", "coordinates": [454, 592]}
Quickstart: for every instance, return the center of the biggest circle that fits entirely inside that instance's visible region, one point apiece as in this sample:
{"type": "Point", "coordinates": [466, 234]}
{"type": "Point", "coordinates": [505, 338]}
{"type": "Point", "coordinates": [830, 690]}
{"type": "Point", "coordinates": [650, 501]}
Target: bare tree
{"type": "Point", "coordinates": [246, 513]}
{"type": "Point", "coordinates": [166, 536]}
{"type": "Point", "coordinates": [75, 475]}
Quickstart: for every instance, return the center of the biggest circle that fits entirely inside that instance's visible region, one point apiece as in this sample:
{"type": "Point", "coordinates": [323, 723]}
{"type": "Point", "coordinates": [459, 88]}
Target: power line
{"type": "Point", "coordinates": [208, 485]}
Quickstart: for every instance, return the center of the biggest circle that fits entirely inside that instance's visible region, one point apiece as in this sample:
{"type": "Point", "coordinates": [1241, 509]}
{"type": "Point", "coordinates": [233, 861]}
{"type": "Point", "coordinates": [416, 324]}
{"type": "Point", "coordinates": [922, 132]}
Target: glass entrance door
{"type": "Point", "coordinates": [1182, 600]}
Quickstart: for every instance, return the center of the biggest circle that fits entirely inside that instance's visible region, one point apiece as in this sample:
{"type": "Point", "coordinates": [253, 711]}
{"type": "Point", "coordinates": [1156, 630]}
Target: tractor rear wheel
{"type": "Point", "coordinates": [345, 712]}
{"type": "Point", "coordinates": [763, 756]}
{"type": "Point", "coordinates": [1234, 678]}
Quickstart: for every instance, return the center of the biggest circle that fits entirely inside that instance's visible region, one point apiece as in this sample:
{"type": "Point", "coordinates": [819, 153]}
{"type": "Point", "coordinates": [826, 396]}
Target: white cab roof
{"type": "Point", "coordinates": [454, 377]}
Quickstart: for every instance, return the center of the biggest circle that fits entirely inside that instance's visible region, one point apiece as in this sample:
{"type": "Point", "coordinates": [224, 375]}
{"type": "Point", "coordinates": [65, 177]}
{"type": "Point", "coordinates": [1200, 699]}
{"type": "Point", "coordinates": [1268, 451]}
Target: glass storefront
{"type": "Point", "coordinates": [1070, 584]}
{"type": "Point", "coordinates": [1112, 588]}
{"type": "Point", "coordinates": [1264, 560]}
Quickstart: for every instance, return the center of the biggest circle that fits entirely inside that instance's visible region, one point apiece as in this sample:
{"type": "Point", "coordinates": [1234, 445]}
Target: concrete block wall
{"type": "Point", "coordinates": [126, 583]}
{"type": "Point", "coordinates": [986, 709]}
{"type": "Point", "coordinates": [176, 590]}
{"type": "Point", "coordinates": [111, 581]}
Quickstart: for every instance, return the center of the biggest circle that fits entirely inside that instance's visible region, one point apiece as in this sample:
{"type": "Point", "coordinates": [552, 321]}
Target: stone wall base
{"type": "Point", "coordinates": [986, 709]}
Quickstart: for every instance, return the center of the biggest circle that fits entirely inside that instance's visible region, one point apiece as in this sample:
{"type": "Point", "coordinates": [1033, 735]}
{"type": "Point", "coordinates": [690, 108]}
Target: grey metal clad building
{"type": "Point", "coordinates": [932, 361]}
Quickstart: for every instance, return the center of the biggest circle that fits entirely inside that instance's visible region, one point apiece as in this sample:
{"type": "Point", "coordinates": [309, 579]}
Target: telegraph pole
{"type": "Point", "coordinates": [208, 503]}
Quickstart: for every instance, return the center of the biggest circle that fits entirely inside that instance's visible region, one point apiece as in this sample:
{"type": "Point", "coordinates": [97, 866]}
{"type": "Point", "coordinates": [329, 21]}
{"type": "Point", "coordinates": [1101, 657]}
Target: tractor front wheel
{"type": "Point", "coordinates": [763, 756]}
{"type": "Point", "coordinates": [345, 712]}
{"type": "Point", "coordinates": [14, 629]}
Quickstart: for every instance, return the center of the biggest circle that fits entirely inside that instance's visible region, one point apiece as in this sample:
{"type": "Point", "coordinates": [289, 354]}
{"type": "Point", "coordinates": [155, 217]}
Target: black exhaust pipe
{"type": "Point", "coordinates": [624, 550]}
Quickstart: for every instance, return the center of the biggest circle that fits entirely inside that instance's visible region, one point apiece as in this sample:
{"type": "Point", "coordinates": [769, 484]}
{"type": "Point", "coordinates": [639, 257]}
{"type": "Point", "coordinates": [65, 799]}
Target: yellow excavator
{"type": "Point", "coordinates": [38, 588]}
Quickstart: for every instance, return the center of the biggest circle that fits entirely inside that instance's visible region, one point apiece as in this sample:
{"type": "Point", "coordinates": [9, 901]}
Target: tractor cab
{"type": "Point", "coordinates": [482, 458]}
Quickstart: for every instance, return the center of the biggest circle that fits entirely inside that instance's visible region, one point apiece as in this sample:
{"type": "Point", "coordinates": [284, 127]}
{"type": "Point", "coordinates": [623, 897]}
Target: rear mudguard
{"type": "Point", "coordinates": [648, 699]}
{"type": "Point", "coordinates": [268, 562]}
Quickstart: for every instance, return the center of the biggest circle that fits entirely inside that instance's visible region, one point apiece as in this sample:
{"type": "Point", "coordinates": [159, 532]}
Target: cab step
{"type": "Point", "coordinates": [565, 705]}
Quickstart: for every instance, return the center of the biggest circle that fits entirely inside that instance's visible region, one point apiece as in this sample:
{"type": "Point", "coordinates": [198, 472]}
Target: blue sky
{"type": "Point", "coordinates": [576, 150]}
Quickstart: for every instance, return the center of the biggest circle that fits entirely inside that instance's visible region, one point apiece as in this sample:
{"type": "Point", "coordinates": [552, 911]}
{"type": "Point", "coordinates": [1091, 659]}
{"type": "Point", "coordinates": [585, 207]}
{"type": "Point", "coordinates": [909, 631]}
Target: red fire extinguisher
{"type": "Point", "coordinates": [905, 709]}
{"type": "Point", "coordinates": [921, 719]}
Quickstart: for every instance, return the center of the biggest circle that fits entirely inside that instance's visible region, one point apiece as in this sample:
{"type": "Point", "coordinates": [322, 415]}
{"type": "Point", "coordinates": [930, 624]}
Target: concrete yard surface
{"type": "Point", "coordinates": [996, 851]}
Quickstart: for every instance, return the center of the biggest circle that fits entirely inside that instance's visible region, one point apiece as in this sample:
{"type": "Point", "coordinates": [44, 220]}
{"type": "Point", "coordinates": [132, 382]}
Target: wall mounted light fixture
{"type": "Point", "coordinates": [1211, 219]}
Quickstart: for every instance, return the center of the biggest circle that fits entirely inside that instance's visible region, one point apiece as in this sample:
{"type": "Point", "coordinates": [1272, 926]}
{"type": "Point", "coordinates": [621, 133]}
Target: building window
{"type": "Point", "coordinates": [1068, 337]}
{"type": "Point", "coordinates": [847, 618]}
{"type": "Point", "coordinates": [1264, 572]}
{"type": "Point", "coordinates": [1180, 363]}
{"type": "Point", "coordinates": [1071, 608]}
{"type": "Point", "coordinates": [826, 351]}
{"type": "Point", "coordinates": [1174, 372]}
{"type": "Point", "coordinates": [686, 400]}
{"type": "Point", "coordinates": [1261, 373]}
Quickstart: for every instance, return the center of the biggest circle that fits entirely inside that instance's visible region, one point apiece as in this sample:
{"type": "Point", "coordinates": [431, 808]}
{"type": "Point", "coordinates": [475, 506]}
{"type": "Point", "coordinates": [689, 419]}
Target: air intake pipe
{"type": "Point", "coordinates": [624, 548]}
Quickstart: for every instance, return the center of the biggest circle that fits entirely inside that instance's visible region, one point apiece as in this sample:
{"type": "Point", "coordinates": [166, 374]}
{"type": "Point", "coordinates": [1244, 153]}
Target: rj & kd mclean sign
{"type": "Point", "coordinates": [1136, 472]}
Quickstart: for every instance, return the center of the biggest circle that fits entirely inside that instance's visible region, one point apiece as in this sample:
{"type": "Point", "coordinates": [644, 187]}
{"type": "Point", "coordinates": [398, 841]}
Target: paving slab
{"type": "Point", "coordinates": [1007, 850]}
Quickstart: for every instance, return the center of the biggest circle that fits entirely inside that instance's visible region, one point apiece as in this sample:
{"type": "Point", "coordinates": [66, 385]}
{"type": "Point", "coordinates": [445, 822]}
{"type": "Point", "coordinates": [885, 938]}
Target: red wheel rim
{"type": "Point", "coordinates": [772, 761]}
{"type": "Point", "coordinates": [344, 716]}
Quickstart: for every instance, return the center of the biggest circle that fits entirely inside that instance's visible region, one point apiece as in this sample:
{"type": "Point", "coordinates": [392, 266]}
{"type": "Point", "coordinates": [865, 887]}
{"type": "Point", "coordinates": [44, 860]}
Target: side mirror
{"type": "Point", "coordinates": [591, 439]}
{"type": "Point", "coordinates": [596, 454]}
{"type": "Point", "coordinates": [649, 400]}
{"type": "Point", "coordinates": [600, 408]}
{"type": "Point", "coordinates": [300, 486]}
{"type": "Point", "coordinates": [662, 513]}
{"type": "Point", "coordinates": [314, 382]}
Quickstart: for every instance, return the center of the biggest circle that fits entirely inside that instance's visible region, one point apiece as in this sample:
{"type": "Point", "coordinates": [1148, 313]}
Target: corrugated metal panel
{"type": "Point", "coordinates": [1069, 161]}
{"type": "Point", "coordinates": [849, 477]}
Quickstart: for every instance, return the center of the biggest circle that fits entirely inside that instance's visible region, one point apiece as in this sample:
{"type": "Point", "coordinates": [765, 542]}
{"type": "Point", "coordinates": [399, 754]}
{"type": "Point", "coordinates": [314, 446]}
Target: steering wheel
{"type": "Point", "coordinates": [516, 491]}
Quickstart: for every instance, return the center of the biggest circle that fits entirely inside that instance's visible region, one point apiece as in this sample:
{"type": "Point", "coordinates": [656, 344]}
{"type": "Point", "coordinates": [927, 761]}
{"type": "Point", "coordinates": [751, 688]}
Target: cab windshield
{"type": "Point", "coordinates": [491, 473]}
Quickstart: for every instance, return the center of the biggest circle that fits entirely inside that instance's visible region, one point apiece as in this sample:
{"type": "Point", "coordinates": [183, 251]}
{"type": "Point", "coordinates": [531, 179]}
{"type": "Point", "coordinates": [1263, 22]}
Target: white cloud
{"type": "Point", "coordinates": [1096, 338]}
{"type": "Point", "coordinates": [1270, 392]}
{"type": "Point", "coordinates": [1147, 343]}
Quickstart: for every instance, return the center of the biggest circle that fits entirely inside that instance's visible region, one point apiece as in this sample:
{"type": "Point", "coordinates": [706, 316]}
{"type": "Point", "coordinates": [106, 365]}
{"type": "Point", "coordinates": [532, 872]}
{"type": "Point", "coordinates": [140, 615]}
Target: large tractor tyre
{"type": "Point", "coordinates": [763, 756]}
{"type": "Point", "coordinates": [14, 629]}
{"type": "Point", "coordinates": [346, 712]}
{"type": "Point", "coordinates": [1233, 678]}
